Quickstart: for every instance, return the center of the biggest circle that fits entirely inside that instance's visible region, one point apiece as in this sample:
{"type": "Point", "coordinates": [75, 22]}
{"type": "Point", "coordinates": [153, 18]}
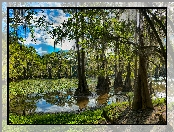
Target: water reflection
{"type": "Point", "coordinates": [23, 105]}
{"type": "Point", "coordinates": [102, 99]}
{"type": "Point", "coordinates": [66, 101]}
{"type": "Point", "coordinates": [82, 102]}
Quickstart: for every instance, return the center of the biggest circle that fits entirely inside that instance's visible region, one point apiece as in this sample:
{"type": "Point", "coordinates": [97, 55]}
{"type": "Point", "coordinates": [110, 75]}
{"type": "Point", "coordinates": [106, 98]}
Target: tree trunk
{"type": "Point", "coordinates": [82, 85]}
{"type": "Point", "coordinates": [142, 98]}
{"type": "Point", "coordinates": [84, 82]}
{"type": "Point", "coordinates": [127, 87]}
{"type": "Point", "coordinates": [116, 72]}
{"type": "Point", "coordinates": [79, 65]}
{"type": "Point", "coordinates": [103, 80]}
{"type": "Point", "coordinates": [135, 72]}
{"type": "Point", "coordinates": [118, 82]}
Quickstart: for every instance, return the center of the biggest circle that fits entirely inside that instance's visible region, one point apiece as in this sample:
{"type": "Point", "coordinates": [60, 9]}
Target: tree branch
{"type": "Point", "coordinates": [156, 34]}
{"type": "Point", "coordinates": [157, 20]}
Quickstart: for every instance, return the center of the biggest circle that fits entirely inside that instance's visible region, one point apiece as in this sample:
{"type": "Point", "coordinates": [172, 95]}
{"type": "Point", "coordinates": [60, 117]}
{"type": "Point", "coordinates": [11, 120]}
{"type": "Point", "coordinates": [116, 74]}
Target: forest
{"type": "Point", "coordinates": [119, 59]}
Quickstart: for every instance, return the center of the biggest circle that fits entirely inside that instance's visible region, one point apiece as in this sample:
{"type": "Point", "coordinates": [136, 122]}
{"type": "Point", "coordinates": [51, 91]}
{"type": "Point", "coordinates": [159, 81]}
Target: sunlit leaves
{"type": "Point", "coordinates": [35, 86]}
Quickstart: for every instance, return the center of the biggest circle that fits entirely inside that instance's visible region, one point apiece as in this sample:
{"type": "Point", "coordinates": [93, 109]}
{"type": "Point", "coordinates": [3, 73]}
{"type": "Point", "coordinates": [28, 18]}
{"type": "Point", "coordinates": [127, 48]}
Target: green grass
{"type": "Point", "coordinates": [86, 117]}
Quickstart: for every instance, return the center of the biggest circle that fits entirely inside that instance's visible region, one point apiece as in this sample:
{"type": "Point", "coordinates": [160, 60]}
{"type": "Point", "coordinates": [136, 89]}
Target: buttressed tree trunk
{"type": "Point", "coordinates": [103, 80]}
{"type": "Point", "coordinates": [82, 85]}
{"type": "Point", "coordinates": [142, 98]}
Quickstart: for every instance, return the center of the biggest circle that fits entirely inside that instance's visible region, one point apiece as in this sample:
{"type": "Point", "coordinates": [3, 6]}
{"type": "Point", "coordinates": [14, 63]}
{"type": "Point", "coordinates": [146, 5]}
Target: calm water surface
{"type": "Point", "coordinates": [66, 101]}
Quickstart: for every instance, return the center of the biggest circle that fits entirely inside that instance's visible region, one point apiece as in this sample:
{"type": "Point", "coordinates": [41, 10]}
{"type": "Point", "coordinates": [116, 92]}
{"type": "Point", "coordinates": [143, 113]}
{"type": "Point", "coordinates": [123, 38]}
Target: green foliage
{"type": "Point", "coordinates": [92, 28]}
{"type": "Point", "coordinates": [159, 101]}
{"type": "Point", "coordinates": [25, 63]}
{"type": "Point", "coordinates": [39, 86]}
{"type": "Point", "coordinates": [86, 117]}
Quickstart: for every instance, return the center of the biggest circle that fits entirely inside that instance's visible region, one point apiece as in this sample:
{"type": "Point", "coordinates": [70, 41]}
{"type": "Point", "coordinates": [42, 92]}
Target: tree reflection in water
{"type": "Point", "coordinates": [23, 105]}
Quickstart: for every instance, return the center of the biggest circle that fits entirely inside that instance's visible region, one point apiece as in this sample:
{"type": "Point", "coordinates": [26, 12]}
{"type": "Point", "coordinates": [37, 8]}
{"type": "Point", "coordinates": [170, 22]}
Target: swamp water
{"type": "Point", "coordinates": [66, 101]}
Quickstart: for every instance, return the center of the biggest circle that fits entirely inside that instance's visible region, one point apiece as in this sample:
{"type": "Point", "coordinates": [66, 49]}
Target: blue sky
{"type": "Point", "coordinates": [42, 45]}
{"type": "Point", "coordinates": [56, 16]}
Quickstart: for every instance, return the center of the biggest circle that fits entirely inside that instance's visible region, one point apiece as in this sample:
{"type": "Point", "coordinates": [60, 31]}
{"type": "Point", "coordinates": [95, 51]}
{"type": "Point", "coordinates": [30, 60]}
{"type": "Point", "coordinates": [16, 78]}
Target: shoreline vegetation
{"type": "Point", "coordinates": [116, 113]}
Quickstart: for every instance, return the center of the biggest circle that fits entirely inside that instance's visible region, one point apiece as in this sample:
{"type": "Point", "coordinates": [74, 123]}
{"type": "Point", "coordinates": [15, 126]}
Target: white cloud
{"type": "Point", "coordinates": [66, 107]}
{"type": "Point", "coordinates": [92, 102]}
{"type": "Point", "coordinates": [40, 51]}
{"type": "Point", "coordinates": [29, 38]}
{"type": "Point", "coordinates": [60, 19]}
{"type": "Point", "coordinates": [67, 45]}
{"type": "Point", "coordinates": [38, 109]}
{"type": "Point", "coordinates": [42, 36]}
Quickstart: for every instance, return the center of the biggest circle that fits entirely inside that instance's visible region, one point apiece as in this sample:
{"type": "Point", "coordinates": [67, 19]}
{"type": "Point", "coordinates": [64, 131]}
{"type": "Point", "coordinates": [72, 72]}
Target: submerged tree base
{"type": "Point", "coordinates": [85, 92]}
